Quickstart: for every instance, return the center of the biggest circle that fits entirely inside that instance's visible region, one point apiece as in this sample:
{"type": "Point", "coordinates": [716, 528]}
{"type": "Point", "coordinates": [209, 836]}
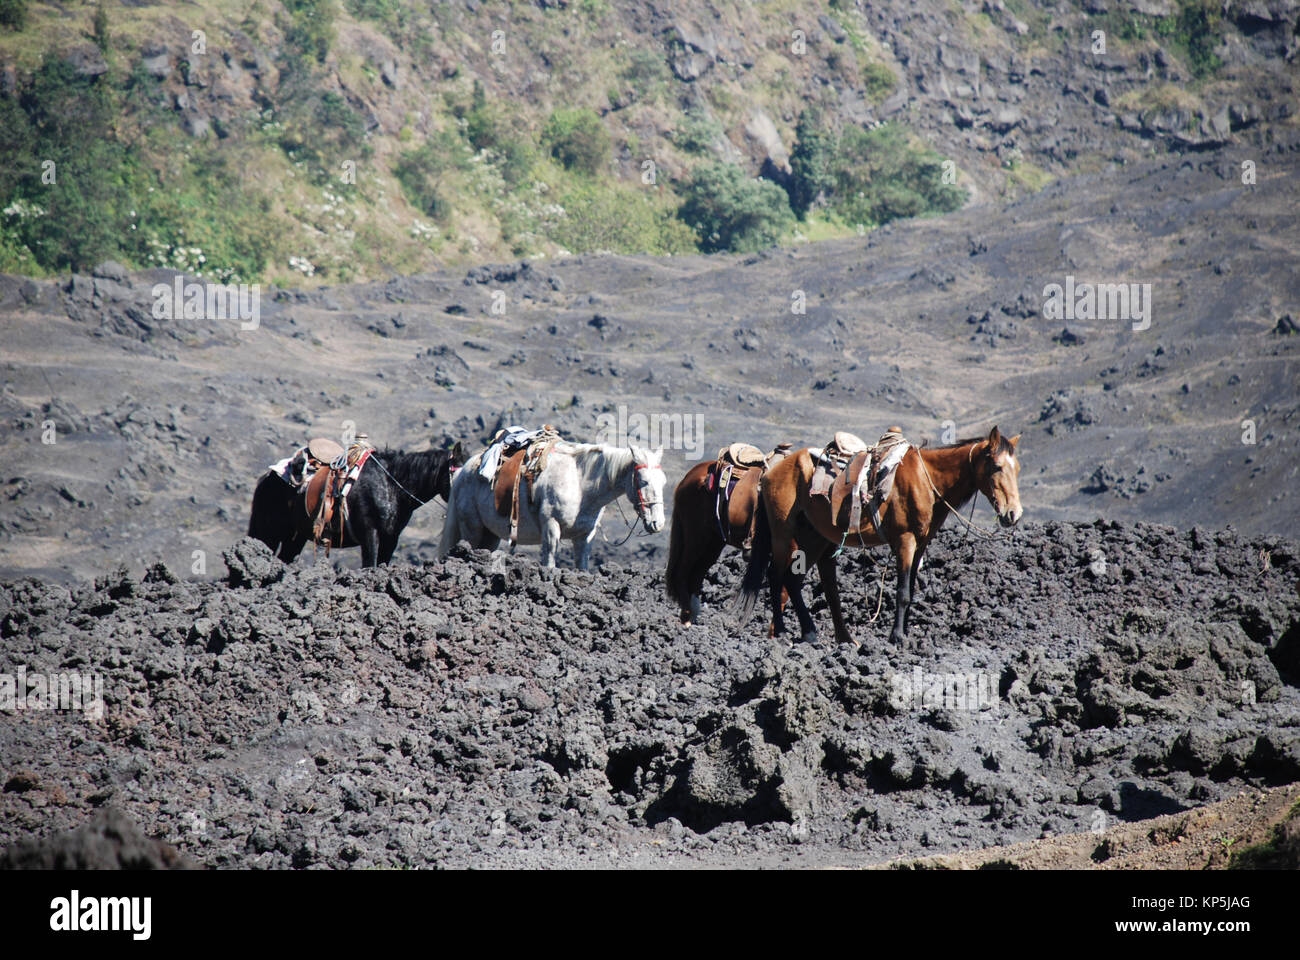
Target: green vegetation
{"type": "Point", "coordinates": [424, 174]}
{"type": "Point", "coordinates": [867, 177]}
{"type": "Point", "coordinates": [645, 74]}
{"type": "Point", "coordinates": [74, 193]}
{"type": "Point", "coordinates": [100, 25]}
{"type": "Point", "coordinates": [620, 219]}
{"type": "Point", "coordinates": [578, 139]}
{"type": "Point", "coordinates": [696, 133]}
{"type": "Point", "coordinates": [489, 126]}
{"type": "Point", "coordinates": [1280, 852]}
{"type": "Point", "coordinates": [810, 162]}
{"type": "Point", "coordinates": [332, 179]}
{"type": "Point", "coordinates": [879, 176]}
{"type": "Point", "coordinates": [310, 30]}
{"type": "Point", "coordinates": [730, 210]}
{"type": "Point", "coordinates": [1192, 32]}
{"type": "Point", "coordinates": [13, 14]}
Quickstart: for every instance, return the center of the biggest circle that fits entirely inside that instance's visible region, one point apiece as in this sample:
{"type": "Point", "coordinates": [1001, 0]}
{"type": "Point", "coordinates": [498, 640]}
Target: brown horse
{"type": "Point", "coordinates": [696, 540]}
{"type": "Point", "coordinates": [929, 484]}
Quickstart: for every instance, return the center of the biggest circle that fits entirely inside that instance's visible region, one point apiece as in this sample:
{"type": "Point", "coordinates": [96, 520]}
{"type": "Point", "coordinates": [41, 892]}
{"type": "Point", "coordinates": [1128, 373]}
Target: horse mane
{"type": "Point", "coordinates": [410, 469]}
{"type": "Point", "coordinates": [1004, 447]}
{"type": "Point", "coordinates": [612, 461]}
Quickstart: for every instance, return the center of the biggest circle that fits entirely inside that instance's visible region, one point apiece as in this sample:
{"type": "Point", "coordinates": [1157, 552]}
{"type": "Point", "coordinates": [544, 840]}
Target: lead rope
{"type": "Point", "coordinates": [399, 486]}
{"type": "Point", "coordinates": [969, 524]}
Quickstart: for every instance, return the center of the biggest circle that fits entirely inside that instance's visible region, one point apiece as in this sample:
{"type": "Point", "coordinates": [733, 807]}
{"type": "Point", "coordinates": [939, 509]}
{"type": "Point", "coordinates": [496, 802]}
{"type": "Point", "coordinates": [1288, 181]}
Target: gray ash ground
{"type": "Point", "coordinates": [489, 713]}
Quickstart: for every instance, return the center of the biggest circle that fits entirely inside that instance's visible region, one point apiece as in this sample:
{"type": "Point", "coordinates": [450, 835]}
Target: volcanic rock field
{"type": "Point", "coordinates": [1129, 651]}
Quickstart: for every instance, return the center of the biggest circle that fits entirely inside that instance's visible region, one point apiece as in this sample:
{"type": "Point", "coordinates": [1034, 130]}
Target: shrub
{"type": "Point", "coordinates": [878, 176]}
{"type": "Point", "coordinates": [729, 210]}
{"type": "Point", "coordinates": [310, 30]}
{"type": "Point", "coordinates": [620, 219]}
{"type": "Point", "coordinates": [578, 139]}
{"type": "Point", "coordinates": [810, 162]}
{"type": "Point", "coordinates": [100, 27]}
{"type": "Point", "coordinates": [487, 127]}
{"type": "Point", "coordinates": [878, 81]}
{"type": "Point", "coordinates": [696, 132]}
{"type": "Point", "coordinates": [13, 14]}
{"type": "Point", "coordinates": [646, 74]}
{"type": "Point", "coordinates": [424, 171]}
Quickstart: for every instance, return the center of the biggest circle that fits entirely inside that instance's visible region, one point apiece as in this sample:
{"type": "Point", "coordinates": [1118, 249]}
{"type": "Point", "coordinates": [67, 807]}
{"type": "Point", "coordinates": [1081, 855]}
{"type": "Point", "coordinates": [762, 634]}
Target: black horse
{"type": "Point", "coordinates": [392, 485]}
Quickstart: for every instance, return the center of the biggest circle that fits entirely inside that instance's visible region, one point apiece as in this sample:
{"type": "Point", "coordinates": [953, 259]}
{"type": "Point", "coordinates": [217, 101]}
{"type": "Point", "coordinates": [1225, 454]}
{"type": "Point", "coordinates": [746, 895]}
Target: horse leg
{"type": "Point", "coordinates": [550, 540]}
{"type": "Point", "coordinates": [695, 578]}
{"type": "Point", "coordinates": [369, 543]}
{"type": "Point", "coordinates": [387, 547]}
{"type": "Point", "coordinates": [291, 546]}
{"type": "Point", "coordinates": [582, 550]}
{"type": "Point", "coordinates": [914, 590]}
{"type": "Point", "coordinates": [777, 579]}
{"type": "Point", "coordinates": [831, 587]}
{"type": "Point", "coordinates": [794, 584]}
{"type": "Point", "coordinates": [906, 553]}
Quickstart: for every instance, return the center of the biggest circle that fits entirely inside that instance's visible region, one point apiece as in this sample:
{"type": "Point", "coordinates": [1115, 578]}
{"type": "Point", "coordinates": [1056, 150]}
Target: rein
{"type": "Point", "coordinates": [969, 524]}
{"type": "Point", "coordinates": [422, 503]}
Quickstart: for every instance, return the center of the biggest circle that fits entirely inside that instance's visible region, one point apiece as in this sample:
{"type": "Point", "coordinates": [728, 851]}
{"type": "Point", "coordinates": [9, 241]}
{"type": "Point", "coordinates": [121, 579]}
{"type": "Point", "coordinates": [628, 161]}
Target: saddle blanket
{"type": "Point", "coordinates": [507, 440]}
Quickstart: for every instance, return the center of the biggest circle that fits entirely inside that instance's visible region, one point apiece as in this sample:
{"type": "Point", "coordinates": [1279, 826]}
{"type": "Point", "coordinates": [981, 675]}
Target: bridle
{"type": "Point", "coordinates": [970, 525]}
{"type": "Point", "coordinates": [643, 503]}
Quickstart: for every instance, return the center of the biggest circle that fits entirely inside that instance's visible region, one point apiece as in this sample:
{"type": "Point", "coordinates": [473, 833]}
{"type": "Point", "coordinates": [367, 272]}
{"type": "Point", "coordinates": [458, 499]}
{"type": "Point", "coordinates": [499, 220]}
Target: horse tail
{"type": "Point", "coordinates": [451, 526]}
{"type": "Point", "coordinates": [675, 574]}
{"type": "Point", "coordinates": [268, 519]}
{"type": "Point", "coordinates": [760, 557]}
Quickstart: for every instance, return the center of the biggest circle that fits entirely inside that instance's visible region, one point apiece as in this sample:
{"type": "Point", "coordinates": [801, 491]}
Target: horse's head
{"type": "Point", "coordinates": [998, 476]}
{"type": "Point", "coordinates": [646, 487]}
{"type": "Point", "coordinates": [455, 460]}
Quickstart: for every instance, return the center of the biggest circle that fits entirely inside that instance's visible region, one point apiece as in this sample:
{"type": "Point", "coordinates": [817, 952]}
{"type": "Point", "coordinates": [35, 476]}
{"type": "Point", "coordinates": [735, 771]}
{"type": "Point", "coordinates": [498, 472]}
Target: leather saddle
{"type": "Point", "coordinates": [742, 455]}
{"type": "Point", "coordinates": [833, 462]}
{"type": "Point", "coordinates": [521, 467]}
{"type": "Point", "coordinates": [865, 478]}
{"type": "Point", "coordinates": [326, 495]}
{"type": "Point", "coordinates": [733, 463]}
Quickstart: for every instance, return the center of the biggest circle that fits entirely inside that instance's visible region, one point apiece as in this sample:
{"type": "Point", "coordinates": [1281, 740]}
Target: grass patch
{"type": "Point", "coordinates": [1192, 32]}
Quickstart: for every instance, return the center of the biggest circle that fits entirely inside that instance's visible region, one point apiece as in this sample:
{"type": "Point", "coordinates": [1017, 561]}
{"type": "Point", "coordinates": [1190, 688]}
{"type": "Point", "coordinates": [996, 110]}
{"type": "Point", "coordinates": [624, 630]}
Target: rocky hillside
{"type": "Point", "coordinates": [329, 140]}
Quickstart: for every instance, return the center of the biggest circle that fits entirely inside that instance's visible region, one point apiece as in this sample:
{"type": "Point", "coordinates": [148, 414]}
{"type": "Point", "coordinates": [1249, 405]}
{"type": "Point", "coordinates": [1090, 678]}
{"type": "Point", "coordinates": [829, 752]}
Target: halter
{"type": "Point", "coordinates": [642, 505]}
{"type": "Point", "coordinates": [953, 510]}
{"type": "Point", "coordinates": [641, 501]}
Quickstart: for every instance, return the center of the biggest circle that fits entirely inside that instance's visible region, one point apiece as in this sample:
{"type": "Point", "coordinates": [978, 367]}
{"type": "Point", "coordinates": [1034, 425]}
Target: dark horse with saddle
{"type": "Point", "coordinates": [347, 495]}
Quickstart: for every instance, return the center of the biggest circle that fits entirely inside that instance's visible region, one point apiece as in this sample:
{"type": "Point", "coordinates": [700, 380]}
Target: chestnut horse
{"type": "Point", "coordinates": [929, 484]}
{"type": "Point", "coordinates": [695, 542]}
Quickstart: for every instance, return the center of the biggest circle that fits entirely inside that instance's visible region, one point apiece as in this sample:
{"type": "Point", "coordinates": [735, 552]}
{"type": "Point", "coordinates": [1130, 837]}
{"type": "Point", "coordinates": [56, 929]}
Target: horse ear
{"type": "Point", "coordinates": [1014, 441]}
{"type": "Point", "coordinates": [995, 439]}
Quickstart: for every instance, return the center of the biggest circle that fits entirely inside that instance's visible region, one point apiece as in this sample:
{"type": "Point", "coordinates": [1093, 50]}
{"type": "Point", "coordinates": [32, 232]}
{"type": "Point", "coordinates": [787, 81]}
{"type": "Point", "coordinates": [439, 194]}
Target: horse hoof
{"type": "Point", "coordinates": [898, 639]}
{"type": "Point", "coordinates": [809, 637]}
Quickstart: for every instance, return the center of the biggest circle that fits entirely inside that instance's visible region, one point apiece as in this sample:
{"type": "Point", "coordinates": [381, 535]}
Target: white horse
{"type": "Point", "coordinates": [566, 501]}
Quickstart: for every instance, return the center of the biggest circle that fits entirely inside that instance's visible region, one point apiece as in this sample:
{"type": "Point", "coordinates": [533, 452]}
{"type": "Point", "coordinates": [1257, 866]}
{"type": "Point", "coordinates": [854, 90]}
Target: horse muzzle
{"type": "Point", "coordinates": [1011, 517]}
